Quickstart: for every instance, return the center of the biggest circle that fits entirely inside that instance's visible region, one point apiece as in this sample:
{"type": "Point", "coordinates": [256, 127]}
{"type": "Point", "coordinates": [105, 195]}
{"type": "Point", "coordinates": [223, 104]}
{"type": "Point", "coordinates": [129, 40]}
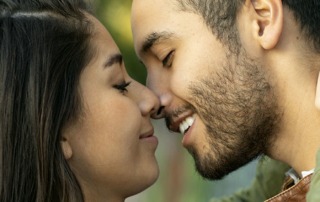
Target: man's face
{"type": "Point", "coordinates": [222, 103]}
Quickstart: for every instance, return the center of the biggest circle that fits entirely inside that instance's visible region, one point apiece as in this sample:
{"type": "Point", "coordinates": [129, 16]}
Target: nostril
{"type": "Point", "coordinates": [158, 114]}
{"type": "Point", "coordinates": [160, 110]}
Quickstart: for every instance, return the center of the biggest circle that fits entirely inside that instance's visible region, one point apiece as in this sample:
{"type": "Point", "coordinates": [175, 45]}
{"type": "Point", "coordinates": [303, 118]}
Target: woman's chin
{"type": "Point", "coordinates": [147, 180]}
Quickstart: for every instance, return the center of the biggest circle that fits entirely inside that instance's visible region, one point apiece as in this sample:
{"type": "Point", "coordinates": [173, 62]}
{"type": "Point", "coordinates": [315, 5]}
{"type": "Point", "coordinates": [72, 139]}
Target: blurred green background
{"type": "Point", "coordinates": [178, 181]}
{"type": "Point", "coordinates": [115, 15]}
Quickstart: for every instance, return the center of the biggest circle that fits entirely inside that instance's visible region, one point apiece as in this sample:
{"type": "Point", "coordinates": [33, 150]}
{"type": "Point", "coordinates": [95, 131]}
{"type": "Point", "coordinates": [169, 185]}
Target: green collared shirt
{"type": "Point", "coordinates": [314, 192]}
{"type": "Point", "coordinates": [268, 182]}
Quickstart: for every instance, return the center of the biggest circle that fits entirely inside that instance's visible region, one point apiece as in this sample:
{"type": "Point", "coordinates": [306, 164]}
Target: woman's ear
{"type": "Point", "coordinates": [66, 148]}
{"type": "Point", "coordinates": [269, 19]}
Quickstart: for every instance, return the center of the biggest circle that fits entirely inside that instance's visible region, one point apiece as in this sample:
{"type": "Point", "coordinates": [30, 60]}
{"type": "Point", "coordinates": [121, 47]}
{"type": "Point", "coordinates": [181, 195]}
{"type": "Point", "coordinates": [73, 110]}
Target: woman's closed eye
{"type": "Point", "coordinates": [167, 61]}
{"type": "Point", "coordinates": [122, 87]}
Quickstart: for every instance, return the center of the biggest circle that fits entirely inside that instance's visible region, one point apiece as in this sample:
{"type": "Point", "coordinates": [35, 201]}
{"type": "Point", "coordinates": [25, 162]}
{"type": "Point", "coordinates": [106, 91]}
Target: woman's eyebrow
{"type": "Point", "coordinates": [113, 59]}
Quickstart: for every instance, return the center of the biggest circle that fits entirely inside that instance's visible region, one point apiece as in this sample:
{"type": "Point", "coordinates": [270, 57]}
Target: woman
{"type": "Point", "coordinates": [74, 126]}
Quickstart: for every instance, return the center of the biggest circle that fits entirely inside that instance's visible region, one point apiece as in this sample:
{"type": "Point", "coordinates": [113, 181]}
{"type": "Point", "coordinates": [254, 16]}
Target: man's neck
{"type": "Point", "coordinates": [299, 138]}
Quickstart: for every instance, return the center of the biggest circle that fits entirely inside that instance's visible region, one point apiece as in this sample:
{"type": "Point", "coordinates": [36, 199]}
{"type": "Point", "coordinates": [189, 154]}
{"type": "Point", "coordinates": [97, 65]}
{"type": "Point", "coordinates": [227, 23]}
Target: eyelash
{"type": "Point", "coordinates": [168, 59]}
{"type": "Point", "coordinates": [122, 87]}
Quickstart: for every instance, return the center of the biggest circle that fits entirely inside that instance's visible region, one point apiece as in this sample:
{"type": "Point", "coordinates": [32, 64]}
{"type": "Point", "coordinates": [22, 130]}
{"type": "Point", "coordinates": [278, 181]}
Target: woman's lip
{"type": "Point", "coordinates": [149, 138]}
{"type": "Point", "coordinates": [147, 134]}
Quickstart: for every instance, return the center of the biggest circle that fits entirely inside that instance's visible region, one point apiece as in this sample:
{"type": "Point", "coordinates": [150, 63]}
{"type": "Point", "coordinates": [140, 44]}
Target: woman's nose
{"type": "Point", "coordinates": [149, 104]}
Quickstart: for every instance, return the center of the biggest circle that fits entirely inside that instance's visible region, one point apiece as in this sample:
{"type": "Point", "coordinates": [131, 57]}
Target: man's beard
{"type": "Point", "coordinates": [239, 110]}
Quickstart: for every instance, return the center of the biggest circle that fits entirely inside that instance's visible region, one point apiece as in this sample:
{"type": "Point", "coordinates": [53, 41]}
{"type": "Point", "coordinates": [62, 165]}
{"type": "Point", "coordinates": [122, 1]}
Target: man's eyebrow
{"type": "Point", "coordinates": [154, 38]}
{"type": "Point", "coordinates": [113, 59]}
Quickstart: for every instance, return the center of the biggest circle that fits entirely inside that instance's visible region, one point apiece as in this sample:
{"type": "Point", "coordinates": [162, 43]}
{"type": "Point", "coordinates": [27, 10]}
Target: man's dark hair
{"type": "Point", "coordinates": [220, 16]}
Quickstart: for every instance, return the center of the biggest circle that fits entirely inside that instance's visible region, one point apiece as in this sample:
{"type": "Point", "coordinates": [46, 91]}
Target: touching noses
{"type": "Point", "coordinates": [160, 88]}
{"type": "Point", "coordinates": [148, 102]}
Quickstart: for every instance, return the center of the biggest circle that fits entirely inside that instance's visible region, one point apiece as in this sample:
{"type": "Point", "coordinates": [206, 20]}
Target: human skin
{"type": "Point", "coordinates": [242, 102]}
{"type": "Point", "coordinates": [111, 146]}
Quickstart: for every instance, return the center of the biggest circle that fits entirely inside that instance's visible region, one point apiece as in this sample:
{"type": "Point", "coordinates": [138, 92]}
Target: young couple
{"type": "Point", "coordinates": [236, 78]}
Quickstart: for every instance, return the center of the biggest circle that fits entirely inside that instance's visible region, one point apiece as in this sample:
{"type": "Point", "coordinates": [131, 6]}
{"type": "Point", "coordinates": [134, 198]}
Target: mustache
{"type": "Point", "coordinates": [171, 115]}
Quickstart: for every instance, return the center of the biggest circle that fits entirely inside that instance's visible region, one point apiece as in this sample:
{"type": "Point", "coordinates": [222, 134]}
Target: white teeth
{"type": "Point", "coordinates": [184, 125]}
{"type": "Point", "coordinates": [190, 120]}
{"type": "Point", "coordinates": [181, 129]}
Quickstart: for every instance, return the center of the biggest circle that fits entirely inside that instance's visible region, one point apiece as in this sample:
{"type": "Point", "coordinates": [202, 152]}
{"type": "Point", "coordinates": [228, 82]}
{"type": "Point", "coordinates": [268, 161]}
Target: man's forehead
{"type": "Point", "coordinates": [154, 21]}
{"type": "Point", "coordinates": [151, 6]}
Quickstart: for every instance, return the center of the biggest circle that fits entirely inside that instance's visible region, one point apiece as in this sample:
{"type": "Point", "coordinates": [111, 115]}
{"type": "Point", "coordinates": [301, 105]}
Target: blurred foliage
{"type": "Point", "coordinates": [115, 15]}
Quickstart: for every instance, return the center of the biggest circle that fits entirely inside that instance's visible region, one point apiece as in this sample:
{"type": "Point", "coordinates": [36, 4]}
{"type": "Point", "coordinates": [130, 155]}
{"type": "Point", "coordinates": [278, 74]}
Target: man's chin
{"type": "Point", "coordinates": [212, 169]}
{"type": "Point", "coordinates": [210, 173]}
{"type": "Point", "coordinates": [206, 167]}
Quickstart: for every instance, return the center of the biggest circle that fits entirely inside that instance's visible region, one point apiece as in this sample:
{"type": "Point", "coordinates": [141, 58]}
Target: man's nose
{"type": "Point", "coordinates": [164, 100]}
{"type": "Point", "coordinates": [159, 83]}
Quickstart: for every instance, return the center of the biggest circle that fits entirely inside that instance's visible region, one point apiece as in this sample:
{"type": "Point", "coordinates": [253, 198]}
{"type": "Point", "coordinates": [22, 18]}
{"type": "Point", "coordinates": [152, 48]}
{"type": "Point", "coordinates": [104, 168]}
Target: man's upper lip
{"type": "Point", "coordinates": [177, 120]}
{"type": "Point", "coordinates": [147, 134]}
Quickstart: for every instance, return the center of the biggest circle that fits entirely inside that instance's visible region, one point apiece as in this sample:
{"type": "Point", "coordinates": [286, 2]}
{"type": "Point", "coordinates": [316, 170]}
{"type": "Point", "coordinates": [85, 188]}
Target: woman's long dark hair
{"type": "Point", "coordinates": [44, 46]}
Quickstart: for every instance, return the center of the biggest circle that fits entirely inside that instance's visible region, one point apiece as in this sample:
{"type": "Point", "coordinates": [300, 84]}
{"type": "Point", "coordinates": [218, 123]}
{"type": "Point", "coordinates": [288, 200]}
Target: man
{"type": "Point", "coordinates": [237, 78]}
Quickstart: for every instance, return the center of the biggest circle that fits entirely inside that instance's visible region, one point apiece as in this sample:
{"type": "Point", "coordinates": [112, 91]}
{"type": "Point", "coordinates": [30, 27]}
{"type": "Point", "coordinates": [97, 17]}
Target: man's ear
{"type": "Point", "coordinates": [66, 148]}
{"type": "Point", "coordinates": [269, 19]}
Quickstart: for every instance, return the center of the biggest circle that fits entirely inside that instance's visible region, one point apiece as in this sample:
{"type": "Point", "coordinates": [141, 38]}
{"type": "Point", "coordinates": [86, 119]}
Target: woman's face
{"type": "Point", "coordinates": [111, 147]}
